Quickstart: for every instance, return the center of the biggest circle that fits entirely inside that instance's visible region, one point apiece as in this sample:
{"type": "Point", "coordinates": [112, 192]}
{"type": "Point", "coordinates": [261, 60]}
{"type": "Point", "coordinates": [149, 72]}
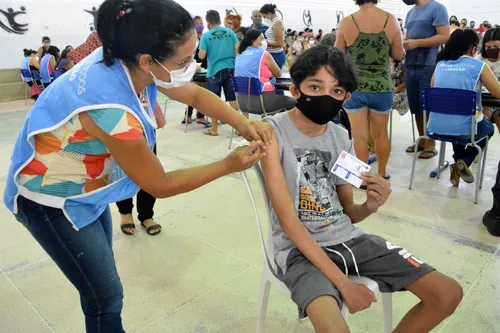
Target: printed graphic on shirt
{"type": "Point", "coordinates": [316, 189]}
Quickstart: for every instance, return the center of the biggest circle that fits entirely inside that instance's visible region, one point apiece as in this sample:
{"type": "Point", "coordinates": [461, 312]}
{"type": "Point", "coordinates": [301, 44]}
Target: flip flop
{"type": "Point", "coordinates": [204, 122]}
{"type": "Point", "coordinates": [210, 133]}
{"type": "Point", "coordinates": [433, 152]}
{"type": "Point", "coordinates": [128, 226]}
{"type": "Point", "coordinates": [411, 149]}
{"type": "Point", "coordinates": [152, 228]}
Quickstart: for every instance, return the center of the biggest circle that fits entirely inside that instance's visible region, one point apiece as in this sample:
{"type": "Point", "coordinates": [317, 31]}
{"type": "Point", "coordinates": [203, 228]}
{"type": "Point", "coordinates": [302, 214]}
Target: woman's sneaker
{"type": "Point", "coordinates": [465, 172]}
{"type": "Point", "coordinates": [454, 175]}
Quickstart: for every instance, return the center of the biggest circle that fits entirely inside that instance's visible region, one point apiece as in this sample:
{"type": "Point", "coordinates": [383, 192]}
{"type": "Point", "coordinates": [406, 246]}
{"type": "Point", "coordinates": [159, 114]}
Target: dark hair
{"type": "Point", "coordinates": [456, 18]}
{"type": "Point", "coordinates": [29, 52]}
{"type": "Point", "coordinates": [362, 2]}
{"type": "Point", "coordinates": [464, 19]}
{"type": "Point", "coordinates": [329, 39]}
{"type": "Point", "coordinates": [268, 9]}
{"type": "Point", "coordinates": [459, 43]}
{"type": "Point", "coordinates": [44, 38]}
{"type": "Point", "coordinates": [68, 46]}
{"type": "Point", "coordinates": [336, 62]}
{"type": "Point", "coordinates": [306, 30]}
{"type": "Point", "coordinates": [492, 34]}
{"type": "Point", "coordinates": [129, 28]}
{"type": "Point", "coordinates": [248, 40]}
{"type": "Point", "coordinates": [197, 17]}
{"type": "Point", "coordinates": [213, 17]}
{"type": "Point", "coordinates": [64, 53]}
{"type": "Point", "coordinates": [53, 52]}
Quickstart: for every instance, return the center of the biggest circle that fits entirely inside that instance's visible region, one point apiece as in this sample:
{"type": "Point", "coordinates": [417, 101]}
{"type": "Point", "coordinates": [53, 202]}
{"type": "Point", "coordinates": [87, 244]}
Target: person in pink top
{"type": "Point", "coordinates": [254, 61]}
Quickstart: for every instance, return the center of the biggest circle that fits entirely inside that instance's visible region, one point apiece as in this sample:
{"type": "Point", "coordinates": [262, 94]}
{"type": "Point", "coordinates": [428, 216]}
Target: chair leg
{"type": "Point", "coordinates": [26, 95]}
{"type": "Point", "coordinates": [412, 126]}
{"type": "Point", "coordinates": [165, 107]}
{"type": "Point", "coordinates": [483, 166]}
{"type": "Point", "coordinates": [478, 176]}
{"type": "Point", "coordinates": [390, 128]}
{"type": "Point", "coordinates": [231, 140]}
{"type": "Point", "coordinates": [185, 120]}
{"type": "Point", "coordinates": [442, 151]}
{"type": "Point", "coordinates": [387, 304]}
{"type": "Point", "coordinates": [415, 155]}
{"type": "Point", "coordinates": [265, 288]}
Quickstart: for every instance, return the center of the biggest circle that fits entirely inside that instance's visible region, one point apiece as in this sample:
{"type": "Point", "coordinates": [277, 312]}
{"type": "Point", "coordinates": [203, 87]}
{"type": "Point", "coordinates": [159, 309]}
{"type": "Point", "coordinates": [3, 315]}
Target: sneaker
{"type": "Point", "coordinates": [492, 223]}
{"type": "Point", "coordinates": [454, 175]}
{"type": "Point", "coordinates": [465, 172]}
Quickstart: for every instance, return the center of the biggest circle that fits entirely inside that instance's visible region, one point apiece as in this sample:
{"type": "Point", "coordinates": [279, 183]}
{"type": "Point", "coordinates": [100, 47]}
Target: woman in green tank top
{"type": "Point", "coordinates": [370, 37]}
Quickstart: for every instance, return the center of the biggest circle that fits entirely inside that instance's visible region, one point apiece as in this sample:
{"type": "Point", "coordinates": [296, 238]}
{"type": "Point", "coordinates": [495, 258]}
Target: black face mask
{"type": "Point", "coordinates": [410, 2]}
{"type": "Point", "coordinates": [323, 109]}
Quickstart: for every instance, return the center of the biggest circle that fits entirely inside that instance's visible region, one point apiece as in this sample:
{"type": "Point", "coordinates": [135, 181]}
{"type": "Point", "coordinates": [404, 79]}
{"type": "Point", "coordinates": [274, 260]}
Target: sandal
{"type": "Point", "coordinates": [203, 122]}
{"type": "Point", "coordinates": [128, 226]}
{"type": "Point", "coordinates": [152, 228]}
{"type": "Point", "coordinates": [411, 149]}
{"type": "Point", "coordinates": [427, 154]}
{"type": "Point", "coordinates": [209, 133]}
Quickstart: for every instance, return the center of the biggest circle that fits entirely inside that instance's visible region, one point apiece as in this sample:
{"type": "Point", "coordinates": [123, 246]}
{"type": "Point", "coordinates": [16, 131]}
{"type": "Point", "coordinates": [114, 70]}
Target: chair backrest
{"type": "Point", "coordinates": [26, 74]}
{"type": "Point", "coordinates": [445, 102]}
{"type": "Point", "coordinates": [267, 246]}
{"type": "Point", "coordinates": [247, 86]}
{"type": "Point", "coordinates": [36, 75]}
{"type": "Point", "coordinates": [450, 101]}
{"type": "Point", "coordinates": [57, 73]}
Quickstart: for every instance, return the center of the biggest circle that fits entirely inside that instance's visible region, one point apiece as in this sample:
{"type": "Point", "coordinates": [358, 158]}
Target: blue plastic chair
{"type": "Point", "coordinates": [454, 102]}
{"type": "Point", "coordinates": [248, 87]}
{"type": "Point", "coordinates": [26, 75]}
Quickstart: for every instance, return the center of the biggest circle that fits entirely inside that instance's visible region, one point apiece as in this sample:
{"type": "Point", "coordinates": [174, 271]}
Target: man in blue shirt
{"type": "Point", "coordinates": [220, 45]}
{"type": "Point", "coordinates": [257, 22]}
{"type": "Point", "coordinates": [427, 28]}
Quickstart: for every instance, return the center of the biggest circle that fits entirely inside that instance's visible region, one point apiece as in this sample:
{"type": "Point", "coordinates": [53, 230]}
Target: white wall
{"type": "Point", "coordinates": [66, 22]}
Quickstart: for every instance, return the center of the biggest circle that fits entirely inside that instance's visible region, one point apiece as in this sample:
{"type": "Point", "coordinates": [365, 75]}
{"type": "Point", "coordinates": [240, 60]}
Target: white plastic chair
{"type": "Point", "coordinates": [269, 275]}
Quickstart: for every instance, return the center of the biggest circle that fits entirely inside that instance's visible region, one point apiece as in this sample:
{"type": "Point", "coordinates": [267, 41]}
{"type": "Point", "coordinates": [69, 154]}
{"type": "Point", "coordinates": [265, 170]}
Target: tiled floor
{"type": "Point", "coordinates": [202, 274]}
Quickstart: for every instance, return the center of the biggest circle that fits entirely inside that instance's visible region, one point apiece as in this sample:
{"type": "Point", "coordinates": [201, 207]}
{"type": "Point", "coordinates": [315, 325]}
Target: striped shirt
{"type": "Point", "coordinates": [271, 36]}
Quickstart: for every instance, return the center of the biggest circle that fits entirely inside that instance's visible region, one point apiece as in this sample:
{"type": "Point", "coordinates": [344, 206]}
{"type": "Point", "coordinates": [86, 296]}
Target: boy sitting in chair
{"type": "Point", "coordinates": [316, 244]}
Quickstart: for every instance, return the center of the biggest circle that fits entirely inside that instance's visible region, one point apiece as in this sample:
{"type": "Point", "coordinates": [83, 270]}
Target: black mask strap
{"type": "Point", "coordinates": [344, 121]}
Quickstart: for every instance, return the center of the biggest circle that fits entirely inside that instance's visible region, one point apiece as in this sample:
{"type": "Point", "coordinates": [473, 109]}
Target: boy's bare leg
{"type": "Point", "coordinates": [325, 316]}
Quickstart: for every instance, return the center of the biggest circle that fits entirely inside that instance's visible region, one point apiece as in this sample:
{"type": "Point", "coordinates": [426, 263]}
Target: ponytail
{"type": "Point", "coordinates": [248, 40]}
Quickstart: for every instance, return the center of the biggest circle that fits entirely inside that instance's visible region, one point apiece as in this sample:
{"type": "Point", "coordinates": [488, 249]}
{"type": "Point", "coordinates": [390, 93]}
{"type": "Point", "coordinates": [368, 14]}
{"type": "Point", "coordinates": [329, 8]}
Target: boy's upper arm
{"type": "Point", "coordinates": [276, 184]}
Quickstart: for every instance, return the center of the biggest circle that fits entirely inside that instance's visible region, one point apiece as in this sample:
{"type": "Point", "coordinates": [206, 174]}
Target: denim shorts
{"type": "Point", "coordinates": [379, 103]}
{"type": "Point", "coordinates": [223, 79]}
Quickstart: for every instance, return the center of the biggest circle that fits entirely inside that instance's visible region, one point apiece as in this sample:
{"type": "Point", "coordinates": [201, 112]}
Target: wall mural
{"type": "Point", "coordinates": [306, 17]}
{"type": "Point", "coordinates": [13, 26]}
{"type": "Point", "coordinates": [92, 12]}
{"type": "Point", "coordinates": [340, 17]}
{"type": "Point", "coordinates": [231, 11]}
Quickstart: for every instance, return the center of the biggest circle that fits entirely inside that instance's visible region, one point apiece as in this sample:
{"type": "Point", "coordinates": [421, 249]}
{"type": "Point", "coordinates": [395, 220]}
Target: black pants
{"type": "Point", "coordinates": [199, 115]}
{"type": "Point", "coordinates": [496, 187]}
{"type": "Point", "coordinates": [145, 204]}
{"type": "Point", "coordinates": [468, 154]}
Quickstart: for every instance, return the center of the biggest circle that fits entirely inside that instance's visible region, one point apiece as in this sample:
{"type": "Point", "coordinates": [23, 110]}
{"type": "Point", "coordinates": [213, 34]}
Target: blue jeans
{"type": "Point", "coordinates": [468, 154]}
{"type": "Point", "coordinates": [417, 78]}
{"type": "Point", "coordinates": [223, 79]}
{"type": "Point", "coordinates": [280, 59]}
{"type": "Point", "coordinates": [86, 259]}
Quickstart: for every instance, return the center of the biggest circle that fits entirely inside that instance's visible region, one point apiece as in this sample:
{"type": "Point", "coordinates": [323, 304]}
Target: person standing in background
{"type": "Point", "coordinates": [454, 25]}
{"type": "Point", "coordinates": [220, 46]}
{"type": "Point", "coordinates": [200, 117]}
{"type": "Point", "coordinates": [233, 22]}
{"type": "Point", "coordinates": [426, 30]}
{"type": "Point", "coordinates": [472, 25]}
{"type": "Point", "coordinates": [463, 24]}
{"type": "Point", "coordinates": [257, 22]}
{"type": "Point", "coordinates": [44, 49]}
{"type": "Point", "coordinates": [372, 103]}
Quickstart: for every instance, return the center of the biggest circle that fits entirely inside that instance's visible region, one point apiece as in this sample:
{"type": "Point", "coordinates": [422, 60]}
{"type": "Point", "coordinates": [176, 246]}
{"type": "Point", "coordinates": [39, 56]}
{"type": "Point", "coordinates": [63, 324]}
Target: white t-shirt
{"type": "Point", "coordinates": [495, 66]}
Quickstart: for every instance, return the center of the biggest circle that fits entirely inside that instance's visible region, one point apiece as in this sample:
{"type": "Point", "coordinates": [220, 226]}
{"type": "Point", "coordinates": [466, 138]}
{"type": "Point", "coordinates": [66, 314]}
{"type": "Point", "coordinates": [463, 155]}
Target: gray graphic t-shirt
{"type": "Point", "coordinates": [306, 163]}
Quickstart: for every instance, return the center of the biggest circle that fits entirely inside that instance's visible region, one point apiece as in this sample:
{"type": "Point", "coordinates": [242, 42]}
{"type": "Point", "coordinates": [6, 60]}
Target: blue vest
{"type": "Point", "coordinates": [26, 65]}
{"type": "Point", "coordinates": [44, 68]}
{"type": "Point", "coordinates": [87, 86]}
{"type": "Point", "coordinates": [248, 64]}
{"type": "Point", "coordinates": [463, 73]}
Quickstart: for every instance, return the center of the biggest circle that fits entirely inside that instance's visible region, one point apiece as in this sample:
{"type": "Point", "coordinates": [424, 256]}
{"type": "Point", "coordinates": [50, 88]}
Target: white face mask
{"type": "Point", "coordinates": [178, 78]}
{"type": "Point", "coordinates": [264, 45]}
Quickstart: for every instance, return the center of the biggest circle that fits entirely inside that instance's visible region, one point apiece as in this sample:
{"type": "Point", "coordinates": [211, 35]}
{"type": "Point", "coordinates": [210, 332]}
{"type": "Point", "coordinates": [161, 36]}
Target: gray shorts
{"type": "Point", "coordinates": [391, 266]}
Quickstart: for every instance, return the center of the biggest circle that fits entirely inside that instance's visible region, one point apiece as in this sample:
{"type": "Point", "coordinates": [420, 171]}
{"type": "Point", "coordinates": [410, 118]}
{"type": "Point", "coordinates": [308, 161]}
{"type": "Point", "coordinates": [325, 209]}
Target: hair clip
{"type": "Point", "coordinates": [124, 10]}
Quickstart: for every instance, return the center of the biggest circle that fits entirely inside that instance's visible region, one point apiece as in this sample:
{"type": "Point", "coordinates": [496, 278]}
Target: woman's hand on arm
{"type": "Point", "coordinates": [272, 65]}
{"type": "Point", "coordinates": [357, 297]}
{"type": "Point", "coordinates": [138, 161]}
{"type": "Point", "coordinates": [209, 104]}
{"type": "Point", "coordinates": [489, 80]}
